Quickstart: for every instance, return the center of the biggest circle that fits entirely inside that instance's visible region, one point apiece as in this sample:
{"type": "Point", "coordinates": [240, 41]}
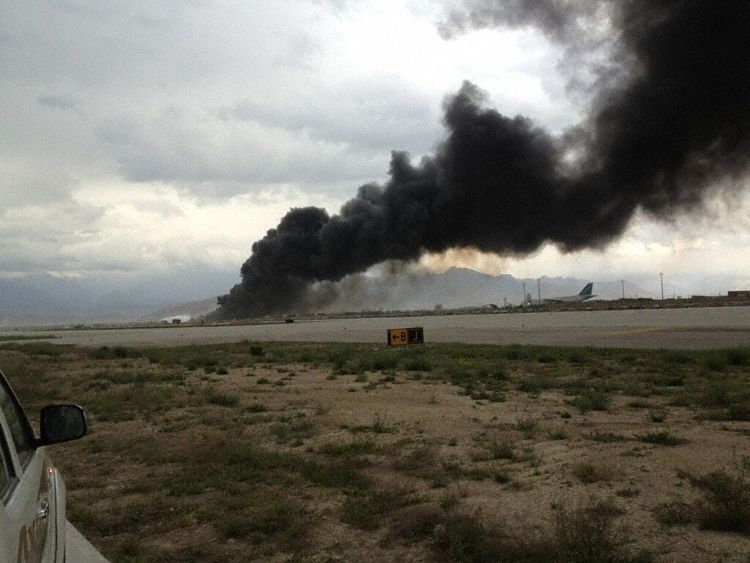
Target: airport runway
{"type": "Point", "coordinates": [697, 328]}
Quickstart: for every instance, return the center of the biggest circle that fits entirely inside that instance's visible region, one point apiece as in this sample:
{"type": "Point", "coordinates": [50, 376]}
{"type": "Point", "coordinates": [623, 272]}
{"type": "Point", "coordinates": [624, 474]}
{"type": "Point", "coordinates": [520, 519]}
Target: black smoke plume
{"type": "Point", "coordinates": [669, 122]}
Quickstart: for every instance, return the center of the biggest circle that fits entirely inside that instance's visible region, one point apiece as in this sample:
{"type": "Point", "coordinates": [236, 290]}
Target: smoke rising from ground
{"type": "Point", "coordinates": [663, 131]}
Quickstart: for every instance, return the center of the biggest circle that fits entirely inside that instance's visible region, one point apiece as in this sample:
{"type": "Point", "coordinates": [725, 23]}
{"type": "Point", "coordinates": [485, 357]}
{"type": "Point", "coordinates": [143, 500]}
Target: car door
{"type": "Point", "coordinates": [28, 511]}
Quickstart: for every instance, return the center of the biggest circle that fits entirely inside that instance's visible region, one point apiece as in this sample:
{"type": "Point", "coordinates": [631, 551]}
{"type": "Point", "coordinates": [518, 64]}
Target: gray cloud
{"type": "Point", "coordinates": [59, 102]}
{"type": "Point", "coordinates": [372, 115]}
{"type": "Point", "coordinates": [132, 89]}
{"type": "Point", "coordinates": [214, 100]}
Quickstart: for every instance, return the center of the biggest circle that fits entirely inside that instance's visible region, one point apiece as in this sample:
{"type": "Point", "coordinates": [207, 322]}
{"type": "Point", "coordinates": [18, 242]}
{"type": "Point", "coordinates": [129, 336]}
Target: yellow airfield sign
{"type": "Point", "coordinates": [405, 336]}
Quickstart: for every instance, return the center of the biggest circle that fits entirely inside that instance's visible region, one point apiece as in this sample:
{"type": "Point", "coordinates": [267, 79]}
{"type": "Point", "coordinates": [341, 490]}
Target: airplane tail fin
{"type": "Point", "coordinates": [587, 289]}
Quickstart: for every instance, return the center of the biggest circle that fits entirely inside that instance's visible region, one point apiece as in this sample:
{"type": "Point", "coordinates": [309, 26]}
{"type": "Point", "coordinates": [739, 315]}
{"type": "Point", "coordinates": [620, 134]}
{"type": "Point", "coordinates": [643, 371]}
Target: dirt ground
{"type": "Point", "coordinates": [408, 445]}
{"type": "Point", "coordinates": [639, 477]}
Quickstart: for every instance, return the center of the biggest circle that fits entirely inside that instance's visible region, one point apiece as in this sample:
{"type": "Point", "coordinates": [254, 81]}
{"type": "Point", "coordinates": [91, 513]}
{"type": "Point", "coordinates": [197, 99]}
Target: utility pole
{"type": "Point", "coordinates": [523, 301]}
{"type": "Point", "coordinates": [622, 282]}
{"type": "Point", "coordinates": [661, 281]}
{"type": "Point", "coordinates": [539, 290]}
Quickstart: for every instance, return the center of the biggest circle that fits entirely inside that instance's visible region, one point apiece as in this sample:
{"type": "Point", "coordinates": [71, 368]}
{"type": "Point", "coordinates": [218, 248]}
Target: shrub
{"type": "Point", "coordinates": [676, 357]}
{"type": "Point", "coordinates": [589, 472]}
{"type": "Point", "coordinates": [417, 364]}
{"type": "Point", "coordinates": [739, 411]}
{"type": "Point", "coordinates": [588, 534]}
{"type": "Point", "coordinates": [727, 501]}
{"type": "Point", "coordinates": [674, 513]}
{"type": "Point", "coordinates": [738, 356]}
{"type": "Point", "coordinates": [661, 438]}
{"type": "Point", "coordinates": [591, 400]}
{"type": "Point", "coordinates": [415, 522]}
{"type": "Point", "coordinates": [717, 394]}
{"type": "Point", "coordinates": [284, 521]}
{"type": "Point", "coordinates": [585, 535]}
{"type": "Point", "coordinates": [715, 361]}
{"type": "Point", "coordinates": [469, 538]}
{"type": "Point", "coordinates": [501, 450]}
{"type": "Point", "coordinates": [528, 426]}
{"type": "Point", "coordinates": [416, 459]}
{"type": "Point", "coordinates": [557, 434]}
{"type": "Point", "coordinates": [222, 399]}
{"type": "Point", "coordinates": [365, 510]}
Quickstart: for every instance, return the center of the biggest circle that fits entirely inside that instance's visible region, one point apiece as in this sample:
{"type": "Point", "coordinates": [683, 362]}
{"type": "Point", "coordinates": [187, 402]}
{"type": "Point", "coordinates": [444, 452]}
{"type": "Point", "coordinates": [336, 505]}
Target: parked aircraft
{"type": "Point", "coordinates": [586, 293]}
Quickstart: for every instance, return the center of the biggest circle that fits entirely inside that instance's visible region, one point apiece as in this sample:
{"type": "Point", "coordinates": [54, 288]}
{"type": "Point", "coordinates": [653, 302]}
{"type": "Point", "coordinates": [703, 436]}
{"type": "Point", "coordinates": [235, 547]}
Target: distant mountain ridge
{"type": "Point", "coordinates": [46, 299]}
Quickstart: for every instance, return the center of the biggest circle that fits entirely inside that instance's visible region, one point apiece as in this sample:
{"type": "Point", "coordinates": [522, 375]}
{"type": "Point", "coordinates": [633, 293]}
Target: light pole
{"type": "Point", "coordinates": [539, 290]}
{"type": "Point", "coordinates": [622, 282]}
{"type": "Point", "coordinates": [661, 279]}
{"type": "Point", "coordinates": [523, 301]}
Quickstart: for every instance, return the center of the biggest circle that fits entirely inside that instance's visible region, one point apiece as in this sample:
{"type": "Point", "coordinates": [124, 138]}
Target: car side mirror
{"type": "Point", "coordinates": [61, 423]}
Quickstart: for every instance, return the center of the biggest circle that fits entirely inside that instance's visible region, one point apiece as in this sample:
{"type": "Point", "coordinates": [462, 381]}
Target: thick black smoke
{"type": "Point", "coordinates": [672, 126]}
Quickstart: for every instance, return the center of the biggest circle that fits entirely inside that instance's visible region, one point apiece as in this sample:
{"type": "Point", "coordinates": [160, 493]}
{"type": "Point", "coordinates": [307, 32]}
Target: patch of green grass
{"type": "Point", "coordinates": [282, 520]}
{"type": "Point", "coordinates": [127, 402]}
{"type": "Point", "coordinates": [378, 426]}
{"type": "Point", "coordinates": [34, 349]}
{"type": "Point", "coordinates": [738, 356]}
{"type": "Point", "coordinates": [715, 361]}
{"type": "Point", "coordinates": [679, 357]}
{"type": "Point", "coordinates": [517, 352]}
{"type": "Point", "coordinates": [22, 337]}
{"type": "Point", "coordinates": [535, 384]}
{"type": "Point", "coordinates": [119, 377]}
{"type": "Point", "coordinates": [738, 411]}
{"type": "Point", "coordinates": [105, 352]}
{"type": "Point", "coordinates": [293, 432]}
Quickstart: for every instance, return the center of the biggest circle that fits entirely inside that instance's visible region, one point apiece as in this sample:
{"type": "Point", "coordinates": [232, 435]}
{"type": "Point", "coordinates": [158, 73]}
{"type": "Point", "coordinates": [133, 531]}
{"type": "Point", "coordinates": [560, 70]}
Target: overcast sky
{"type": "Point", "coordinates": [139, 137]}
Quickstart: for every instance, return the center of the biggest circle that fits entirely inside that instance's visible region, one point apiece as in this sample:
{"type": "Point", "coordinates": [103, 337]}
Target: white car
{"type": "Point", "coordinates": [32, 516]}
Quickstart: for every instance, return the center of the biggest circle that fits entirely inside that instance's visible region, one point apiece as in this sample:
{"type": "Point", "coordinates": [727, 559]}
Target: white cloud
{"type": "Point", "coordinates": [141, 135]}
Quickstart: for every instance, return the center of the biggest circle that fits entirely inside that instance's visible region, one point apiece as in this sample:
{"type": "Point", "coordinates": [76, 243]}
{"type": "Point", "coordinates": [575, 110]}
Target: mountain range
{"type": "Point", "coordinates": [46, 299]}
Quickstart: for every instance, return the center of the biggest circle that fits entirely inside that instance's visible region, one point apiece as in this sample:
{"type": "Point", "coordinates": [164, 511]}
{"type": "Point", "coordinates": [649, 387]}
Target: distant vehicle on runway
{"type": "Point", "coordinates": [585, 294]}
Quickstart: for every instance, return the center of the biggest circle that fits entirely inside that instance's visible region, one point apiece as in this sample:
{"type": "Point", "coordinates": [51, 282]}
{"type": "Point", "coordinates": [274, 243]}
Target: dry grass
{"type": "Point", "coordinates": [314, 452]}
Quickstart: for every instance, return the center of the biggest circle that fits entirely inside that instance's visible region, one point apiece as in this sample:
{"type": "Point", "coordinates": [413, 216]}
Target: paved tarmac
{"type": "Point", "coordinates": [696, 328]}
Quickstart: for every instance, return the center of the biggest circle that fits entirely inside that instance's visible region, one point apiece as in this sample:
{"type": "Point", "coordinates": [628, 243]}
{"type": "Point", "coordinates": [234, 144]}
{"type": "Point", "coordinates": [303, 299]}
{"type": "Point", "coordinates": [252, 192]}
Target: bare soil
{"type": "Point", "coordinates": [138, 485]}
